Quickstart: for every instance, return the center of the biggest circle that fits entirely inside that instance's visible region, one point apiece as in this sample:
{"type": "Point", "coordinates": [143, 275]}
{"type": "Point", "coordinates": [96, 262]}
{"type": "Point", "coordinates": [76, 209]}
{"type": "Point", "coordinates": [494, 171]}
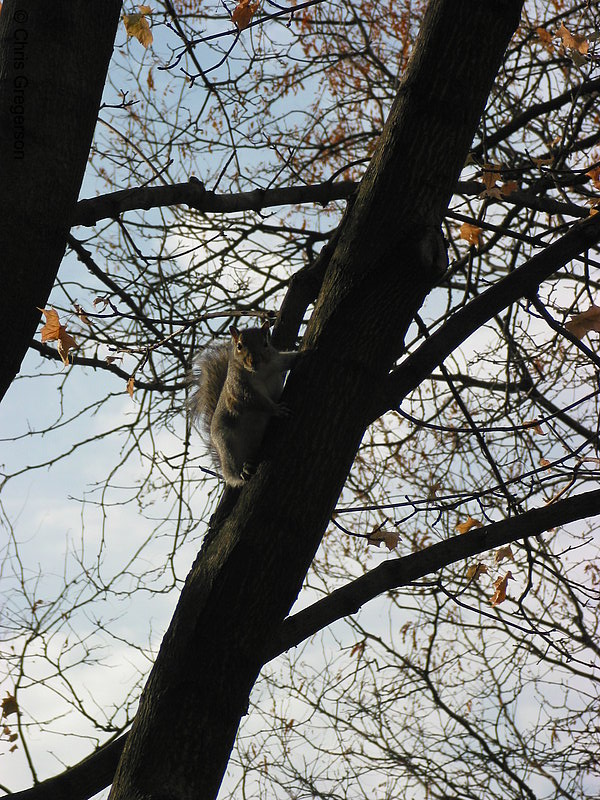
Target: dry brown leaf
{"type": "Point", "coordinates": [573, 42]}
{"type": "Point", "coordinates": [499, 595]}
{"type": "Point", "coordinates": [470, 233]}
{"type": "Point", "coordinates": [594, 175]}
{"type": "Point", "coordinates": [534, 425]}
{"type": "Point", "coordinates": [65, 343]}
{"type": "Point", "coordinates": [543, 162]}
{"type": "Point", "coordinates": [544, 462]}
{"type": "Point", "coordinates": [502, 553]}
{"type": "Point", "coordinates": [585, 322]}
{"type": "Point", "coordinates": [490, 175]}
{"type": "Point", "coordinates": [465, 527]}
{"type": "Point", "coordinates": [495, 193]}
{"type": "Point", "coordinates": [137, 26]}
{"type": "Point", "coordinates": [475, 571]}
{"type": "Point", "coordinates": [9, 705]}
{"type": "Point", "coordinates": [130, 386]}
{"type": "Point", "coordinates": [389, 538]}
{"type": "Point", "coordinates": [358, 649]}
{"type": "Point", "coordinates": [81, 314]}
{"type": "Point", "coordinates": [150, 79]}
{"type": "Point", "coordinates": [509, 187]}
{"type": "Point", "coordinates": [545, 38]}
{"type": "Point", "coordinates": [243, 13]}
{"type": "Point", "coordinates": [51, 329]}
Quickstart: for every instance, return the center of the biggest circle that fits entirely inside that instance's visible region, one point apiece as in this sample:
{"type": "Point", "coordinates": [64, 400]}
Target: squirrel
{"type": "Point", "coordinates": [236, 391]}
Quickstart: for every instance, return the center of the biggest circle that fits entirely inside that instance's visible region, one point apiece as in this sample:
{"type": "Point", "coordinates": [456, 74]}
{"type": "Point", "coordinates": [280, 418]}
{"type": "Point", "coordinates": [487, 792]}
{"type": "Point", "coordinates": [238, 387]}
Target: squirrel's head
{"type": "Point", "coordinates": [252, 346]}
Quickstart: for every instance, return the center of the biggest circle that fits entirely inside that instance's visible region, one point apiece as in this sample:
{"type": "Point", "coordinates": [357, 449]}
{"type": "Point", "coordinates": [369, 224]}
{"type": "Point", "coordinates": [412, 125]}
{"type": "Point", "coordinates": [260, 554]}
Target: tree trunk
{"type": "Point", "coordinates": [53, 62]}
{"type": "Point", "coordinates": [245, 580]}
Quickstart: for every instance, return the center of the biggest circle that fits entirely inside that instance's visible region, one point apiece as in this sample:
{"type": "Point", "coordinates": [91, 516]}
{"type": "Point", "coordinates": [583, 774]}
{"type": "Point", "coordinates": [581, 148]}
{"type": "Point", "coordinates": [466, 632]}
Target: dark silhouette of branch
{"type": "Point", "coordinates": [523, 282]}
{"type": "Point", "coordinates": [96, 772]}
{"type": "Point", "coordinates": [196, 196]}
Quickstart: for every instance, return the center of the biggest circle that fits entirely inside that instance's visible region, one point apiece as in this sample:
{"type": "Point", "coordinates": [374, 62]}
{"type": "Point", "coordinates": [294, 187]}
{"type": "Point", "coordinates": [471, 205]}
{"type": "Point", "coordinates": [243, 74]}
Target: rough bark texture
{"type": "Point", "coordinates": [246, 579]}
{"type": "Point", "coordinates": [53, 63]}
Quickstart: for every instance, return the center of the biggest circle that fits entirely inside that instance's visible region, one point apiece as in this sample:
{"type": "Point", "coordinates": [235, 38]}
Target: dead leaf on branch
{"type": "Point", "coordinates": [502, 553]}
{"type": "Point", "coordinates": [573, 42]}
{"type": "Point", "coordinates": [594, 175]}
{"type": "Point", "coordinates": [358, 649]}
{"type": "Point", "coordinates": [54, 331]}
{"type": "Point", "coordinates": [81, 314]}
{"type": "Point", "coordinates": [130, 386]}
{"type": "Point", "coordinates": [545, 38]}
{"type": "Point", "coordinates": [9, 705]}
{"type": "Point", "coordinates": [470, 233]}
{"type": "Point", "coordinates": [51, 329]}
{"type": "Point", "coordinates": [465, 527]}
{"type": "Point", "coordinates": [136, 25]}
{"type": "Point", "coordinates": [475, 571]}
{"type": "Point", "coordinates": [508, 188]}
{"type": "Point", "coordinates": [585, 322]}
{"type": "Point", "coordinates": [389, 538]}
{"type": "Point", "coordinates": [490, 175]}
{"type": "Point", "coordinates": [535, 426]}
{"type": "Point", "coordinates": [243, 13]}
{"type": "Point", "coordinates": [500, 584]}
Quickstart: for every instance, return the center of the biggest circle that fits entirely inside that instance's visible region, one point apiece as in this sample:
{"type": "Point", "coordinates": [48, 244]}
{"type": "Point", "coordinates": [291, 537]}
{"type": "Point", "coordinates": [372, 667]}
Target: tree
{"type": "Point", "coordinates": [367, 285]}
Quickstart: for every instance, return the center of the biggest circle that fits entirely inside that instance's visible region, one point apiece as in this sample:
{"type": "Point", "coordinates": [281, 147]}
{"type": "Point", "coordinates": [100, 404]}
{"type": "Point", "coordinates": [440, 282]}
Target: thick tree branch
{"type": "Point", "coordinates": [523, 282]}
{"type": "Point", "coordinates": [96, 772]}
{"type": "Point", "coordinates": [539, 109]}
{"type": "Point", "coordinates": [393, 574]}
{"type": "Point", "coordinates": [194, 195]}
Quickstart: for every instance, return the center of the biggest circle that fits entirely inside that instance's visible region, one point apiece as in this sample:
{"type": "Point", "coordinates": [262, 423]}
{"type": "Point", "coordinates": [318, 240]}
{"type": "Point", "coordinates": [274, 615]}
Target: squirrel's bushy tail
{"type": "Point", "coordinates": [207, 377]}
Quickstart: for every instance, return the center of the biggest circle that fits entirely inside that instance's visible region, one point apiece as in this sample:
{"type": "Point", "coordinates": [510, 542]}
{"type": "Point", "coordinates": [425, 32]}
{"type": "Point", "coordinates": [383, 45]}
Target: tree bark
{"type": "Point", "coordinates": [245, 580]}
{"type": "Point", "coordinates": [53, 63]}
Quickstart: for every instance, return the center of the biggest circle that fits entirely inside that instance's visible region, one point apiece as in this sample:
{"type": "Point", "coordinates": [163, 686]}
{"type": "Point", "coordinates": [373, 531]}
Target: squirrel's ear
{"type": "Point", "coordinates": [235, 333]}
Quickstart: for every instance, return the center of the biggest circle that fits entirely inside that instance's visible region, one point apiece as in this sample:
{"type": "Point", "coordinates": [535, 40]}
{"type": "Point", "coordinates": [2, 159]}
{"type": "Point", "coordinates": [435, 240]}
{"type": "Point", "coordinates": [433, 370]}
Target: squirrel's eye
{"type": "Point", "coordinates": [239, 346]}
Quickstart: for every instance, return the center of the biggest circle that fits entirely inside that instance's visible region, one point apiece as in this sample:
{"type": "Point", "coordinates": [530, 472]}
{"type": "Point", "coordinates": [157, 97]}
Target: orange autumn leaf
{"type": "Point", "coordinates": [54, 331]}
{"type": "Point", "coordinates": [465, 527]}
{"type": "Point", "coordinates": [594, 175]}
{"type": "Point", "coordinates": [243, 13]}
{"type": "Point", "coordinates": [51, 329]}
{"type": "Point", "coordinates": [470, 233]}
{"type": "Point", "coordinates": [130, 386]}
{"type": "Point", "coordinates": [136, 25]}
{"type": "Point", "coordinates": [500, 584]}
{"type": "Point", "coordinates": [573, 42]}
{"type": "Point", "coordinates": [585, 322]}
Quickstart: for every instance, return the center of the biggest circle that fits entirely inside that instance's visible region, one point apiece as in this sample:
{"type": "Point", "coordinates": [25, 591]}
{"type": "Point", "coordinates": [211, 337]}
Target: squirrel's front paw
{"type": "Point", "coordinates": [248, 470]}
{"type": "Point", "coordinates": [283, 410]}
